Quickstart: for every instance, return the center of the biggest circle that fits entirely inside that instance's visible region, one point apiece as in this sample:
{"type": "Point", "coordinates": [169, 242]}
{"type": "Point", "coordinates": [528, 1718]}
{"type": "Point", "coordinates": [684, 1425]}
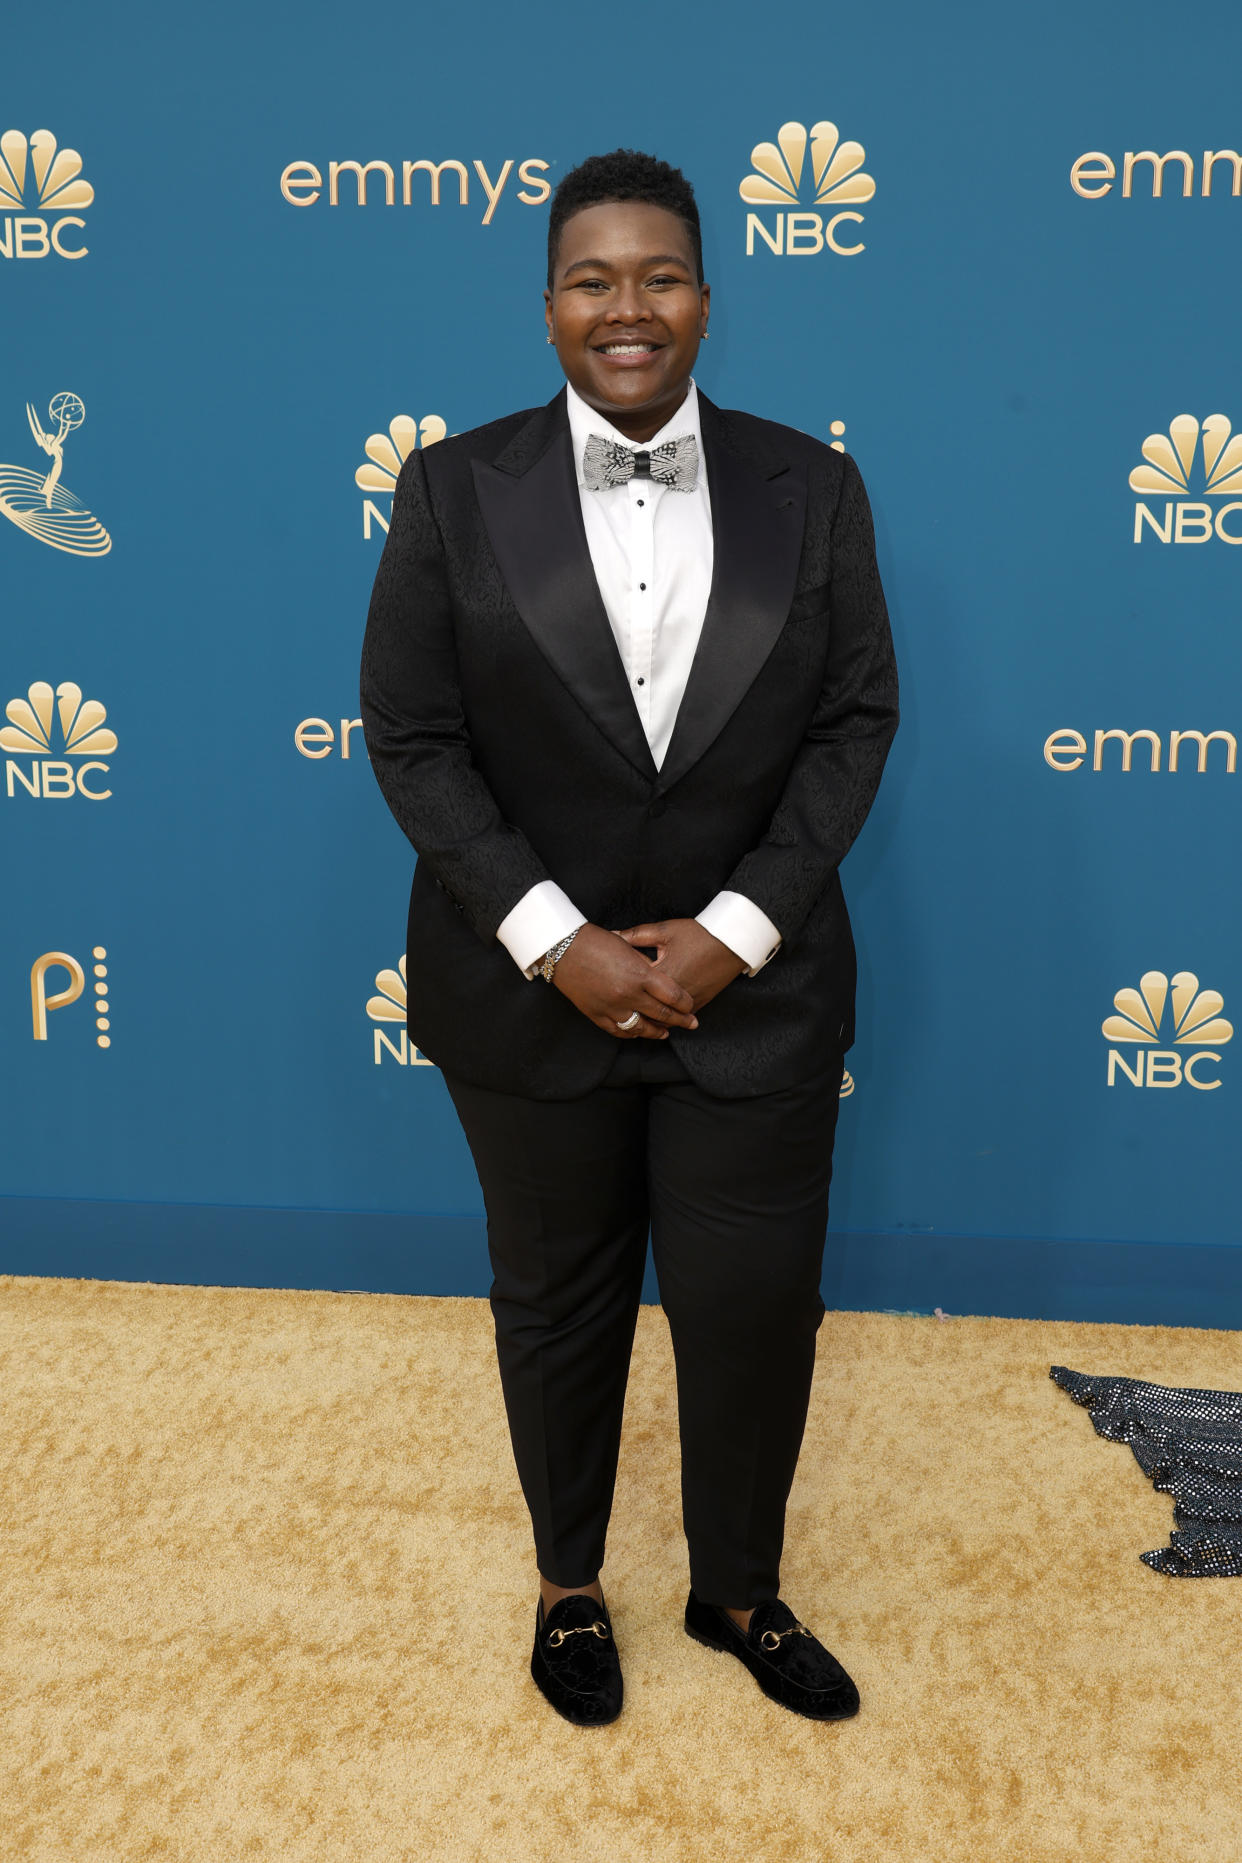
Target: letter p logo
{"type": "Point", "coordinates": [40, 1001]}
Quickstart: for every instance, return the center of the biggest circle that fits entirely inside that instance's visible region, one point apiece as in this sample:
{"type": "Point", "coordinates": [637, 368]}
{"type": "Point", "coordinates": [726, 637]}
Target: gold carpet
{"type": "Point", "coordinates": [268, 1593]}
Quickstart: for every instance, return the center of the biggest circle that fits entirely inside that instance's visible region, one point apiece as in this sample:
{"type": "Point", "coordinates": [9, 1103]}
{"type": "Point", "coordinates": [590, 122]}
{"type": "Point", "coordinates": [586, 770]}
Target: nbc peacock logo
{"type": "Point", "coordinates": [386, 453]}
{"type": "Point", "coordinates": [387, 1011]}
{"type": "Point", "coordinates": [39, 184]}
{"type": "Point", "coordinates": [37, 502]}
{"type": "Point", "coordinates": [45, 730]}
{"type": "Point", "coordinates": [816, 182]}
{"type": "Point", "coordinates": [1186, 466]}
{"type": "Point", "coordinates": [1159, 1010]}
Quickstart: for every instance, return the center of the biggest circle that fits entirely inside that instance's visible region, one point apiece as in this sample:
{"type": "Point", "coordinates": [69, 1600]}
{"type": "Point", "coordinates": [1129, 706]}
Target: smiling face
{"type": "Point", "coordinates": [626, 312]}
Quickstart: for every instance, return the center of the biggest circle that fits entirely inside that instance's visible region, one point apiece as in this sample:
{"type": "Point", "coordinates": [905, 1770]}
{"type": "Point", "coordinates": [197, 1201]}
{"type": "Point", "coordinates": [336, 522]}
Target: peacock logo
{"type": "Point", "coordinates": [387, 1011]}
{"type": "Point", "coordinates": [389, 1005]}
{"type": "Point", "coordinates": [386, 454]}
{"type": "Point", "coordinates": [808, 171]}
{"type": "Point", "coordinates": [41, 187]}
{"type": "Point", "coordinates": [1190, 463]}
{"type": "Point", "coordinates": [47, 727]}
{"type": "Point", "coordinates": [1178, 1011]}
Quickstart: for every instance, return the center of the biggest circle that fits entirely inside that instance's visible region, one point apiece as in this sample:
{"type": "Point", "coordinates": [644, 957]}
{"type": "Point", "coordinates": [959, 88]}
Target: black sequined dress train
{"type": "Point", "coordinates": [1190, 1445]}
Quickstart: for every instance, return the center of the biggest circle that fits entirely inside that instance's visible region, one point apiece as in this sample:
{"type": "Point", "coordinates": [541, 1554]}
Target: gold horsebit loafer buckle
{"type": "Point", "coordinates": [599, 1628]}
{"type": "Point", "coordinates": [771, 1639]}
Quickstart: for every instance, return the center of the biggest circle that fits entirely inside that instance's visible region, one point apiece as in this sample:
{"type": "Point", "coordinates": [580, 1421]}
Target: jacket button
{"type": "Point", "coordinates": [657, 808]}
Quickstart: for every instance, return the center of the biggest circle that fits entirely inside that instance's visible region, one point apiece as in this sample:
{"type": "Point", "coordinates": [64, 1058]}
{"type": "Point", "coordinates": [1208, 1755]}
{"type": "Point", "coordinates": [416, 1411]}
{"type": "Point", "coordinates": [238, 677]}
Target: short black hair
{"type": "Point", "coordinates": [624, 175]}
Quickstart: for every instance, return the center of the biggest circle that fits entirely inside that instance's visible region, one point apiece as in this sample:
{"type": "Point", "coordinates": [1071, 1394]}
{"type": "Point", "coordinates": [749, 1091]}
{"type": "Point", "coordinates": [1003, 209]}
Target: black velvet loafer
{"type": "Point", "coordinates": [789, 1664]}
{"type": "Point", "coordinates": [575, 1660]}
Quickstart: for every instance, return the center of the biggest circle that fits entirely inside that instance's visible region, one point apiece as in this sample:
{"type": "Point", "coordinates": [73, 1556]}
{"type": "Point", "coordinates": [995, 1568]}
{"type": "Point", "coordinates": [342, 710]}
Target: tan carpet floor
{"type": "Point", "coordinates": [267, 1592]}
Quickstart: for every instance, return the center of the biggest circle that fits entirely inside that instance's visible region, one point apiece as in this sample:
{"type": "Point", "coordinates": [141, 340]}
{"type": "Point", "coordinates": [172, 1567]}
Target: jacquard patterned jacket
{"type": "Point", "coordinates": [503, 735]}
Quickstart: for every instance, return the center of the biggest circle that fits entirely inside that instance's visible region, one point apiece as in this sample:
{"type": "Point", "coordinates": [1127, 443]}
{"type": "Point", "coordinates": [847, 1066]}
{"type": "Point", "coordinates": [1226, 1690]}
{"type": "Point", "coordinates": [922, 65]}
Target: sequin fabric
{"type": "Point", "coordinates": [606, 463]}
{"type": "Point", "coordinates": [1189, 1443]}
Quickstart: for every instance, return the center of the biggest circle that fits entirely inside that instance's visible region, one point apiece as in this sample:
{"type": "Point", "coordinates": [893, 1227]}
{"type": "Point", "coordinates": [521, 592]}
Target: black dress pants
{"type": "Point", "coordinates": [735, 1195]}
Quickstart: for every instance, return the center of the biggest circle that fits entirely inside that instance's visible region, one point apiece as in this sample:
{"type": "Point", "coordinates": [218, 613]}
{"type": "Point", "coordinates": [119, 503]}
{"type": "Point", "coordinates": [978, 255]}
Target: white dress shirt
{"type": "Point", "coordinates": [652, 551]}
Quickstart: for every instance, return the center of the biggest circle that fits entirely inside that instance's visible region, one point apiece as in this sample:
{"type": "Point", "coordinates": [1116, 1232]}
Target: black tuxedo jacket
{"type": "Point", "coordinates": [499, 720]}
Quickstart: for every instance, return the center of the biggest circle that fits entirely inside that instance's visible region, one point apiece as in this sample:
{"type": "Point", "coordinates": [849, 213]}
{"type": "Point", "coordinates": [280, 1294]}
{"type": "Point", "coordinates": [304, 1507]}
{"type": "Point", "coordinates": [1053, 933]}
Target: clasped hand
{"type": "Point", "coordinates": [607, 975]}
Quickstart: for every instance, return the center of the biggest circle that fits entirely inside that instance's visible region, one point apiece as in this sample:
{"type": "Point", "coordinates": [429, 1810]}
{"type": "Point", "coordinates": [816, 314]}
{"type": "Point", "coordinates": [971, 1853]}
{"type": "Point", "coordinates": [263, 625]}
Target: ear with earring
{"type": "Point", "coordinates": [551, 338]}
{"type": "Point", "coordinates": [706, 334]}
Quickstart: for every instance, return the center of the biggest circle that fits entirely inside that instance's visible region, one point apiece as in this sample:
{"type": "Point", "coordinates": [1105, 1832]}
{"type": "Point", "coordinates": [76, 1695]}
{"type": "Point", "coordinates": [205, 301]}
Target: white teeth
{"type": "Point", "coordinates": [627, 349]}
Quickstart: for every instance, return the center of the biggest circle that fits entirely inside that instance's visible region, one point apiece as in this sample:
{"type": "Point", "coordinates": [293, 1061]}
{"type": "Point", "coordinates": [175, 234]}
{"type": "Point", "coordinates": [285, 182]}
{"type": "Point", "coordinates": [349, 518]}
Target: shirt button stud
{"type": "Point", "coordinates": [641, 503]}
{"type": "Point", "coordinates": [642, 585]}
{"type": "Point", "coordinates": [640, 682]}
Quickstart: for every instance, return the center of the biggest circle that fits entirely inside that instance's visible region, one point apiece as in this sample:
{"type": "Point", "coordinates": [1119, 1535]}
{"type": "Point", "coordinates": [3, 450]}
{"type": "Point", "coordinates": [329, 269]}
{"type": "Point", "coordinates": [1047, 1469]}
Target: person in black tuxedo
{"type": "Point", "coordinates": [628, 687]}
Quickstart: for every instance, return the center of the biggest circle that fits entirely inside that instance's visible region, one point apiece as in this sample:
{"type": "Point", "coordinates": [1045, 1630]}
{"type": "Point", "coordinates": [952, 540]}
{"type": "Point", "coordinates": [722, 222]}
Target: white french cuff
{"type": "Point", "coordinates": [748, 932]}
{"type": "Point", "coordinates": [540, 919]}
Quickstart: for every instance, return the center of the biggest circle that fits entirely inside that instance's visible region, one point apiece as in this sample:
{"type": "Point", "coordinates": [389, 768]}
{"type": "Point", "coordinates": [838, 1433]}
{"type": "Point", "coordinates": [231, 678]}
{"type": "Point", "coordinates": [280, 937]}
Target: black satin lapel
{"type": "Point", "coordinates": [758, 518]}
{"type": "Point", "coordinates": [535, 525]}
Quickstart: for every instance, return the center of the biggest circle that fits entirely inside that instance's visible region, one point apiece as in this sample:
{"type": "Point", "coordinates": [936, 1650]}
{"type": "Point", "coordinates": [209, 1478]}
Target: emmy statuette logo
{"type": "Point", "coordinates": [37, 502]}
{"type": "Point", "coordinates": [44, 1000]}
{"type": "Point", "coordinates": [816, 200]}
{"type": "Point", "coordinates": [37, 729]}
{"type": "Point", "coordinates": [387, 1010]}
{"type": "Point", "coordinates": [386, 454]}
{"type": "Point", "coordinates": [1176, 465]}
{"type": "Point", "coordinates": [38, 184]}
{"type": "Point", "coordinates": [1193, 1021]}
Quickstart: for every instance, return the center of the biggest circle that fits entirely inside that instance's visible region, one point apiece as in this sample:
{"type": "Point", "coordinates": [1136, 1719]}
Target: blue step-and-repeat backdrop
{"type": "Point", "coordinates": [251, 256]}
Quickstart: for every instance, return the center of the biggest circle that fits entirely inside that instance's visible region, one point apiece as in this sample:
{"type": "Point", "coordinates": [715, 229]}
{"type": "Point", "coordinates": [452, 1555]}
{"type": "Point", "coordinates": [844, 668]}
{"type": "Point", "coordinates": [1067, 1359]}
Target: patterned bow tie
{"type": "Point", "coordinates": [606, 463]}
